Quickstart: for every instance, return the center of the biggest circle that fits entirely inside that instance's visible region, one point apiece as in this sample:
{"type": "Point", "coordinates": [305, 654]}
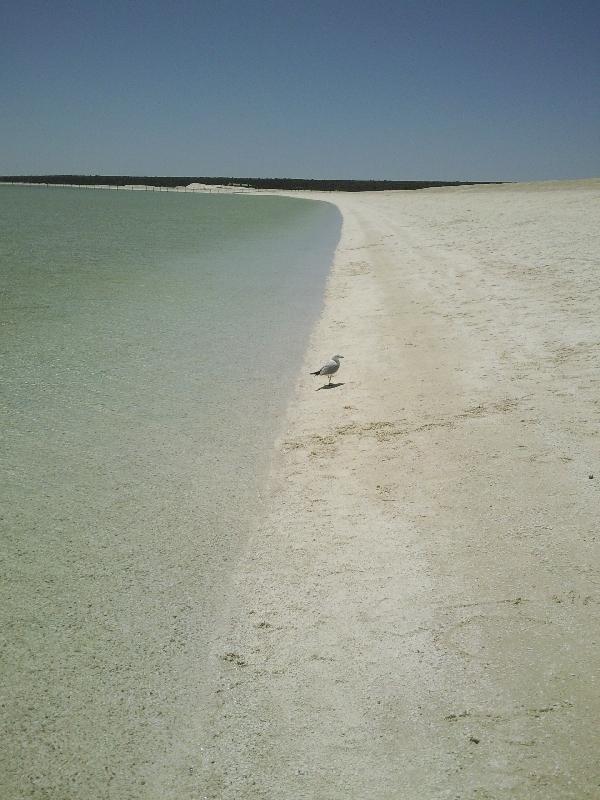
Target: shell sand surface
{"type": "Point", "coordinates": [416, 615]}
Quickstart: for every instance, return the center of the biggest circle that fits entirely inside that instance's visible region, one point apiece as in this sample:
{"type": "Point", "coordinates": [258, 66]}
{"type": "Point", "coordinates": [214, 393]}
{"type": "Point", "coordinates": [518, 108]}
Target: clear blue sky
{"type": "Point", "coordinates": [410, 89]}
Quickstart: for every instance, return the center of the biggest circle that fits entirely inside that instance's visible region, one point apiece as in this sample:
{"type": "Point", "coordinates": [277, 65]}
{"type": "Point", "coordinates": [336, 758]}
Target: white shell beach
{"type": "Point", "coordinates": [416, 614]}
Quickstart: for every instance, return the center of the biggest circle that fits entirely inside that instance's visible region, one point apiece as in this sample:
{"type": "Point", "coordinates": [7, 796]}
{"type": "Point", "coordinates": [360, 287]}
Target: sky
{"type": "Point", "coordinates": [404, 90]}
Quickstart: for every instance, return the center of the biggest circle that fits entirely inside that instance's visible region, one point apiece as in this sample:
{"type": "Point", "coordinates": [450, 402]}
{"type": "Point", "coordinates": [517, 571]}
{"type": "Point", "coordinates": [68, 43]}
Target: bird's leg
{"type": "Point", "coordinates": [329, 384]}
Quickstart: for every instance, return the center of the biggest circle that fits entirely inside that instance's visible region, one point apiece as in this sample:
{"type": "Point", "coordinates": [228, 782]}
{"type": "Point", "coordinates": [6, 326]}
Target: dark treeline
{"type": "Point", "coordinates": [254, 183]}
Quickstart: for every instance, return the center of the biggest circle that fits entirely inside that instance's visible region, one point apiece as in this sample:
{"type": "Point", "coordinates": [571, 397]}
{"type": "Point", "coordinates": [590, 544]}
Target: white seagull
{"type": "Point", "coordinates": [329, 368]}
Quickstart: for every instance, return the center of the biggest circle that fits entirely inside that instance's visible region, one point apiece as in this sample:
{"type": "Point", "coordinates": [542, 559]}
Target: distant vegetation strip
{"type": "Point", "coordinates": [252, 183]}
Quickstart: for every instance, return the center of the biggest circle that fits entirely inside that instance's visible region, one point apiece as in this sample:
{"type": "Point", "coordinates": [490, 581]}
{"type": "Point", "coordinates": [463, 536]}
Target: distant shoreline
{"type": "Point", "coordinates": [182, 183]}
{"type": "Point", "coordinates": [137, 187]}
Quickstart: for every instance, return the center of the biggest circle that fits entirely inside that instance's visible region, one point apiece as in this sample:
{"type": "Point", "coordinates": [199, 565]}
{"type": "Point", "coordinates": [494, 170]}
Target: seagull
{"type": "Point", "coordinates": [329, 368]}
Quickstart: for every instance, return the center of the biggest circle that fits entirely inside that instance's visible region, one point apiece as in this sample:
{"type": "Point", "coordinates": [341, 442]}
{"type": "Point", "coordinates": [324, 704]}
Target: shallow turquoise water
{"type": "Point", "coordinates": [149, 344]}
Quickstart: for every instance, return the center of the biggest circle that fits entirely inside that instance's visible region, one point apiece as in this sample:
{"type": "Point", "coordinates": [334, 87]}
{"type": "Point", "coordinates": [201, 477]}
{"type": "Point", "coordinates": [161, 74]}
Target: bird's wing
{"type": "Point", "coordinates": [329, 368]}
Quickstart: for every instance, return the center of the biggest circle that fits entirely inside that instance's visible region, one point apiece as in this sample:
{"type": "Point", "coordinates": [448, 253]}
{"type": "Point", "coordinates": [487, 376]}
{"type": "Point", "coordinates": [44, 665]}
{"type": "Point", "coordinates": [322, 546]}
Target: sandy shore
{"type": "Point", "coordinates": [417, 612]}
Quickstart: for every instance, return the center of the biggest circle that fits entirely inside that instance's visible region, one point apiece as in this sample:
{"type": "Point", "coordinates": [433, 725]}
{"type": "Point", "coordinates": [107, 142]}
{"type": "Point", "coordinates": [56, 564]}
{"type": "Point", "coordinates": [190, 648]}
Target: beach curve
{"type": "Point", "coordinates": [416, 613]}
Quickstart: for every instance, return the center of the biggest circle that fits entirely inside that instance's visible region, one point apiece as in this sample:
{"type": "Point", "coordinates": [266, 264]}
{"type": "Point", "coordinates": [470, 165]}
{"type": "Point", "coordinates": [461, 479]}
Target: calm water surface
{"type": "Point", "coordinates": [149, 343]}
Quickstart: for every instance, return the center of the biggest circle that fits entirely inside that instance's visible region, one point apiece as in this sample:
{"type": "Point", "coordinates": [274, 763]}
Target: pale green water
{"type": "Point", "coordinates": [149, 343]}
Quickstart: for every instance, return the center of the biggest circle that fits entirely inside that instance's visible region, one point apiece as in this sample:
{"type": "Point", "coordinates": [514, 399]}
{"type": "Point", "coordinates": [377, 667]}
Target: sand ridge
{"type": "Point", "coordinates": [417, 612]}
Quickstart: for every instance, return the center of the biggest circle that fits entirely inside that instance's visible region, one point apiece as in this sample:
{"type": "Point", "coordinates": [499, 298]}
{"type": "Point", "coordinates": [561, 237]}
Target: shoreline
{"type": "Point", "coordinates": [416, 612]}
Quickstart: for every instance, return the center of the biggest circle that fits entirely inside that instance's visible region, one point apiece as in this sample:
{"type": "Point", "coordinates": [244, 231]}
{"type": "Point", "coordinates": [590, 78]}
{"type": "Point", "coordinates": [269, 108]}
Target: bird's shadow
{"type": "Point", "coordinates": [329, 386]}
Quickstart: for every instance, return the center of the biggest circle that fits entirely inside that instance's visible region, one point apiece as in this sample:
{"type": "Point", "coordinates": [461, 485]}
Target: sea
{"type": "Point", "coordinates": [150, 344]}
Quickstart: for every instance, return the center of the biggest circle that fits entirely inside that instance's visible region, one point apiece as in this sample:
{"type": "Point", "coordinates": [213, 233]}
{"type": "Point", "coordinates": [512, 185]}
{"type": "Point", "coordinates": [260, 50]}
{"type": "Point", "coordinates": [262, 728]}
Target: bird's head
{"type": "Point", "coordinates": [336, 358]}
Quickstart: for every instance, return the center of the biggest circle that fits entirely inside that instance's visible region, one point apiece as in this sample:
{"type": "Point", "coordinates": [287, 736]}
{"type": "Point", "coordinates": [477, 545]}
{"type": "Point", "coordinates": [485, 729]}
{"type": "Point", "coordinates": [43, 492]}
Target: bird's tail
{"type": "Point", "coordinates": [315, 373]}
